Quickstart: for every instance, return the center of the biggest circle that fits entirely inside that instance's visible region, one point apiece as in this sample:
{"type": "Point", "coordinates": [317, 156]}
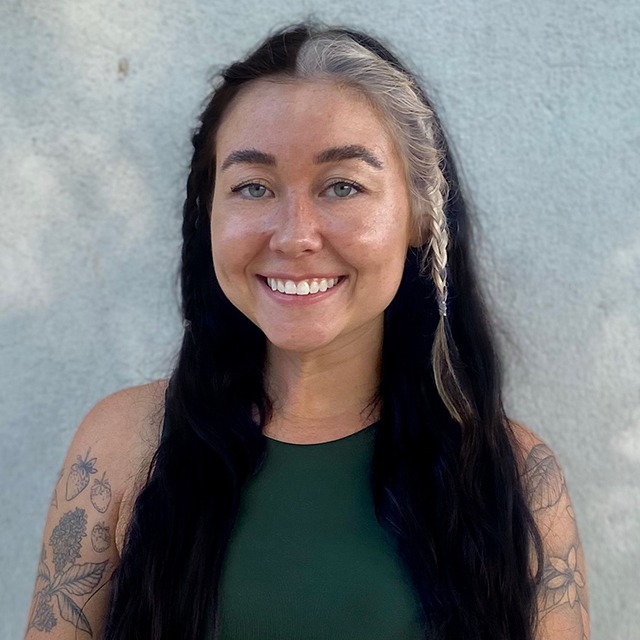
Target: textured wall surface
{"type": "Point", "coordinates": [96, 103]}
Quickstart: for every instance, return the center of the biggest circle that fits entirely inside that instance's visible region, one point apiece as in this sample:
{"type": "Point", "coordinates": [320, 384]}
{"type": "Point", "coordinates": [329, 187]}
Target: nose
{"type": "Point", "coordinates": [296, 229]}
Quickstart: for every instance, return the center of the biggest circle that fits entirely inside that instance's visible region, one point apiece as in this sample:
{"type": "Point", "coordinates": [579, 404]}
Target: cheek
{"type": "Point", "coordinates": [382, 234]}
{"type": "Point", "coordinates": [384, 242]}
{"type": "Point", "coordinates": [233, 242]}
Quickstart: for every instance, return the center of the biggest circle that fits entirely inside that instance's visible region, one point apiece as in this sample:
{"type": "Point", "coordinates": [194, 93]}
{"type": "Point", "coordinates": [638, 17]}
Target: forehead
{"type": "Point", "coordinates": [283, 114]}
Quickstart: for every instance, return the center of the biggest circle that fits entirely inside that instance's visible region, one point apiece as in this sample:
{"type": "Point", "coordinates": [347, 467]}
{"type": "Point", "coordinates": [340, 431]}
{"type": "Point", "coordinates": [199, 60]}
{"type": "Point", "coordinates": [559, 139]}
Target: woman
{"type": "Point", "coordinates": [330, 458]}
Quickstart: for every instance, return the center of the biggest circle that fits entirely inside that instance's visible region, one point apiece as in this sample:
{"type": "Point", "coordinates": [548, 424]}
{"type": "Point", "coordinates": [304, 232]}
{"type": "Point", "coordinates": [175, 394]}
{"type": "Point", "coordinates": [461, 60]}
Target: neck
{"type": "Point", "coordinates": [323, 396]}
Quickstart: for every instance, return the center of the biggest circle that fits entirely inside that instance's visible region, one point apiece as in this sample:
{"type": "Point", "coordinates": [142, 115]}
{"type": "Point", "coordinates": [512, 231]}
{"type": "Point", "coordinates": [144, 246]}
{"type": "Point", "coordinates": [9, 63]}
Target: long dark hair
{"type": "Point", "coordinates": [444, 475]}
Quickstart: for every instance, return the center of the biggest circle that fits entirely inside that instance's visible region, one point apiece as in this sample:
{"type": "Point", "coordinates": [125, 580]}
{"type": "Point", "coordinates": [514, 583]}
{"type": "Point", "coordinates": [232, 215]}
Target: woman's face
{"type": "Point", "coordinates": [310, 219]}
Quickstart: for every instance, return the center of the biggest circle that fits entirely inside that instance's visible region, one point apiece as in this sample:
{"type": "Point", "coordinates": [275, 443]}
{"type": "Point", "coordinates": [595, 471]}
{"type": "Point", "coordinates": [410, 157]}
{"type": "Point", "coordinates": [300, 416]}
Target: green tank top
{"type": "Point", "coordinates": [308, 559]}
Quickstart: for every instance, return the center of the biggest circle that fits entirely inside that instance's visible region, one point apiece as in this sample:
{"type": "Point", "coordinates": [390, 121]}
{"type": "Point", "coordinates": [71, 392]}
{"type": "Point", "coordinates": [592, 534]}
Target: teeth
{"type": "Point", "coordinates": [302, 288]}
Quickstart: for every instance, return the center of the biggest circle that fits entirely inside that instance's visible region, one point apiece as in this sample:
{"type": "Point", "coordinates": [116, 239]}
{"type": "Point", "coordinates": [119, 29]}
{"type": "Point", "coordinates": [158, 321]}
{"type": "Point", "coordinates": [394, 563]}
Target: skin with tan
{"type": "Point", "coordinates": [310, 193]}
{"type": "Point", "coordinates": [298, 213]}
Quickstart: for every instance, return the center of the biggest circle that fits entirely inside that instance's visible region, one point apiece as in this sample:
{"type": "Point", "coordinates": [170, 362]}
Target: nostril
{"type": "Point", "coordinates": [295, 247]}
{"type": "Point", "coordinates": [295, 237]}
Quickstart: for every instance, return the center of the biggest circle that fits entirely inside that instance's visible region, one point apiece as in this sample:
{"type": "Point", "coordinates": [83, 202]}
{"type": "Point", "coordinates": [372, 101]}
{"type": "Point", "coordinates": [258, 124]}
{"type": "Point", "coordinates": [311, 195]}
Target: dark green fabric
{"type": "Point", "coordinates": [308, 559]}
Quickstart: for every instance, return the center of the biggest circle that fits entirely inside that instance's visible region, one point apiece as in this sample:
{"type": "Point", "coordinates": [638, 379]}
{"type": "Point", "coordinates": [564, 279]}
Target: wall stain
{"type": "Point", "coordinates": [123, 68]}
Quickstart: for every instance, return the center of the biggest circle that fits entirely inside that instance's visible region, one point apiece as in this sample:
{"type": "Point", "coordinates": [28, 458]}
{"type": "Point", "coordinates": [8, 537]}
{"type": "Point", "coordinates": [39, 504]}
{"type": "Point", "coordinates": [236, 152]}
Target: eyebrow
{"type": "Point", "coordinates": [334, 154]}
{"type": "Point", "coordinates": [349, 152]}
{"type": "Point", "coordinates": [249, 156]}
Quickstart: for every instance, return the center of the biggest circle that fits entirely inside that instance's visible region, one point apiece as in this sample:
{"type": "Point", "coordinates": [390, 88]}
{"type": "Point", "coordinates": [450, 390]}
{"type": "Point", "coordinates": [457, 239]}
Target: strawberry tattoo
{"type": "Point", "coordinates": [100, 537]}
{"type": "Point", "coordinates": [78, 477]}
{"type": "Point", "coordinates": [101, 494]}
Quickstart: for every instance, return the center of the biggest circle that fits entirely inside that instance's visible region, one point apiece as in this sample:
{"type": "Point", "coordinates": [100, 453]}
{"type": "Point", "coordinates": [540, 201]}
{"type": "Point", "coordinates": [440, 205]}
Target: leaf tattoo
{"type": "Point", "coordinates": [544, 478]}
{"type": "Point", "coordinates": [54, 498]}
{"type": "Point", "coordinates": [78, 579]}
{"type": "Point", "coordinates": [71, 612]}
{"type": "Point", "coordinates": [42, 617]}
{"type": "Point", "coordinates": [44, 576]}
{"type": "Point", "coordinates": [69, 580]}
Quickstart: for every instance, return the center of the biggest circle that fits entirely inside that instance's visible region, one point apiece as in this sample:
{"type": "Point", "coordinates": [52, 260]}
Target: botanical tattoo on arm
{"type": "Point", "coordinates": [68, 579]}
{"type": "Point", "coordinates": [545, 480]}
{"type": "Point", "coordinates": [54, 498]}
{"type": "Point", "coordinates": [562, 589]}
{"type": "Point", "coordinates": [101, 494]}
{"type": "Point", "coordinates": [78, 480]}
{"type": "Point", "coordinates": [100, 537]}
{"type": "Point", "coordinates": [79, 474]}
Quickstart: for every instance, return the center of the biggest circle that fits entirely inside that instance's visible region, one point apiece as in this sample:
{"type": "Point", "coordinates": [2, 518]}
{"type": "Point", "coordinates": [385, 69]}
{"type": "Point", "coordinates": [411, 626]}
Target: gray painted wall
{"type": "Point", "coordinates": [96, 102]}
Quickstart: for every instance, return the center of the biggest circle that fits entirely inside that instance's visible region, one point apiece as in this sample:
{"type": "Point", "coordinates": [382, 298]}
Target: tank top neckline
{"type": "Point", "coordinates": [307, 445]}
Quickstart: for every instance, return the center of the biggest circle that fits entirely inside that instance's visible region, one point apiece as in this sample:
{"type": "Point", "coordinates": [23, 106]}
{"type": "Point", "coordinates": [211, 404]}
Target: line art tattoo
{"type": "Point", "coordinates": [78, 477]}
{"type": "Point", "coordinates": [545, 481]}
{"type": "Point", "coordinates": [69, 579]}
{"type": "Point", "coordinates": [54, 497]}
{"type": "Point", "coordinates": [563, 582]}
{"type": "Point", "coordinates": [101, 494]}
{"type": "Point", "coordinates": [100, 537]}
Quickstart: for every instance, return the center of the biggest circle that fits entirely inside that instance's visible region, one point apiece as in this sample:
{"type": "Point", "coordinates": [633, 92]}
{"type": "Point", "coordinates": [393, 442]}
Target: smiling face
{"type": "Point", "coordinates": [310, 217]}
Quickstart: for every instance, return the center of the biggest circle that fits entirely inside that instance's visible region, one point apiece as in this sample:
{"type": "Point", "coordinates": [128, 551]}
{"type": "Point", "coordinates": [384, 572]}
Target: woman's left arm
{"type": "Point", "coordinates": [563, 607]}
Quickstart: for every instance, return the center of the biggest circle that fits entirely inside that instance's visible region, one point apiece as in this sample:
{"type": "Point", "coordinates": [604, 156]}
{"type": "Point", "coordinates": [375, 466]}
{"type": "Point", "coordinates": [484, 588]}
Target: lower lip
{"type": "Point", "coordinates": [292, 298]}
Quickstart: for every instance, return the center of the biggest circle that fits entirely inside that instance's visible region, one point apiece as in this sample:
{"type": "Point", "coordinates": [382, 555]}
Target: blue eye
{"type": "Point", "coordinates": [344, 189]}
{"type": "Point", "coordinates": [253, 190]}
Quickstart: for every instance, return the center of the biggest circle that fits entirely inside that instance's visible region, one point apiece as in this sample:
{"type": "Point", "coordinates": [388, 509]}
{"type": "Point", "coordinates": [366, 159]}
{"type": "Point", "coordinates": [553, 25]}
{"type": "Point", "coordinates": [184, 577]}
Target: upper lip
{"type": "Point", "coordinates": [298, 278]}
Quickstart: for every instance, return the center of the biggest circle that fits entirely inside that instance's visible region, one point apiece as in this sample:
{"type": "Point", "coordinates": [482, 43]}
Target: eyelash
{"type": "Point", "coordinates": [237, 188]}
{"type": "Point", "coordinates": [359, 188]}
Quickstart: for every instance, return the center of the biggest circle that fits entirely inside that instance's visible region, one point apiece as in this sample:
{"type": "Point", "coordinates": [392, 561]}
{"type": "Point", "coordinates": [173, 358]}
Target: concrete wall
{"type": "Point", "coordinates": [96, 102]}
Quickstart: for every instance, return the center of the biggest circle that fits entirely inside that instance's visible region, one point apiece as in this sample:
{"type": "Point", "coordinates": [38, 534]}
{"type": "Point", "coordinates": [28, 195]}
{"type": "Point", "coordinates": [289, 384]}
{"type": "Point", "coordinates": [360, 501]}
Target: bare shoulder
{"type": "Point", "coordinates": [563, 594]}
{"type": "Point", "coordinates": [105, 466]}
{"type": "Point", "coordinates": [131, 413]}
{"type": "Point", "coordinates": [125, 427]}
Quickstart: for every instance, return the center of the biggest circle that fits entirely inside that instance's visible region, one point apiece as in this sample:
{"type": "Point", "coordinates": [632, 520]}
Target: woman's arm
{"type": "Point", "coordinates": [563, 607]}
{"type": "Point", "coordinates": [80, 547]}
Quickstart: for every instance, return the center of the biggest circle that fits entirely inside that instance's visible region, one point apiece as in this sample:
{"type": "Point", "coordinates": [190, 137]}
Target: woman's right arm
{"type": "Point", "coordinates": [89, 509]}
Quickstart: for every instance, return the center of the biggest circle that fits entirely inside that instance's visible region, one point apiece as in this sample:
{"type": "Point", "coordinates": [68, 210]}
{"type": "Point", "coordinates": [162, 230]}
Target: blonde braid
{"type": "Point", "coordinates": [437, 250]}
{"type": "Point", "coordinates": [444, 353]}
{"type": "Point", "coordinates": [430, 192]}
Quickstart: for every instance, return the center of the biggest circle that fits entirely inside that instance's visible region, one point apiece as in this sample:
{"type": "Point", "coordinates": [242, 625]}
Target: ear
{"type": "Point", "coordinates": [417, 236]}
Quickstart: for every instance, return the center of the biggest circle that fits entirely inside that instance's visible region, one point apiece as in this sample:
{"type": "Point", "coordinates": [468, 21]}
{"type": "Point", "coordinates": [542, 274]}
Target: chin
{"type": "Point", "coordinates": [297, 343]}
